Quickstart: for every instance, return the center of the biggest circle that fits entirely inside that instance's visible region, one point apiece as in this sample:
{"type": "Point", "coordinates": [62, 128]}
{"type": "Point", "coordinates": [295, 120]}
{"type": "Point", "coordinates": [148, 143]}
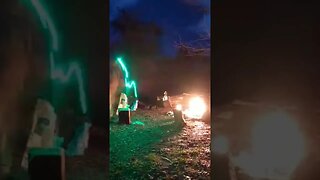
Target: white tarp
{"type": "Point", "coordinates": [43, 128]}
{"type": "Point", "coordinates": [123, 102]}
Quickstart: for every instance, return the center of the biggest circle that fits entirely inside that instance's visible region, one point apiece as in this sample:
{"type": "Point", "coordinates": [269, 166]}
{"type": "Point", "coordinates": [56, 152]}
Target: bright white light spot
{"type": "Point", "coordinates": [197, 108]}
{"type": "Point", "coordinates": [179, 107]}
{"type": "Point", "coordinates": [278, 146]}
{"type": "Point", "coordinates": [220, 145]}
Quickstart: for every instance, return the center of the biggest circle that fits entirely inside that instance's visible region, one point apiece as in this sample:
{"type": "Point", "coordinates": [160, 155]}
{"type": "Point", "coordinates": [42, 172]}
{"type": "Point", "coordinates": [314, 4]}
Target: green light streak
{"type": "Point", "coordinates": [124, 68]}
{"type": "Point", "coordinates": [138, 123]}
{"type": "Point", "coordinates": [132, 84]}
{"type": "Point", "coordinates": [128, 84]}
{"type": "Point", "coordinates": [55, 72]}
{"type": "Point", "coordinates": [47, 22]}
{"type": "Point", "coordinates": [74, 69]}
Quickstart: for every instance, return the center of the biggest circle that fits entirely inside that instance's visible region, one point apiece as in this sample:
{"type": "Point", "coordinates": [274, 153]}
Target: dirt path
{"type": "Point", "coordinates": [186, 155]}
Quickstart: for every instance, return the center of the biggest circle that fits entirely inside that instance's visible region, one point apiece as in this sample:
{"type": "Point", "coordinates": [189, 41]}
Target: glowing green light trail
{"type": "Point", "coordinates": [74, 69]}
{"type": "Point", "coordinates": [47, 22]}
{"type": "Point", "coordinates": [124, 68]}
{"type": "Point", "coordinates": [128, 84]}
{"type": "Point", "coordinates": [55, 72]}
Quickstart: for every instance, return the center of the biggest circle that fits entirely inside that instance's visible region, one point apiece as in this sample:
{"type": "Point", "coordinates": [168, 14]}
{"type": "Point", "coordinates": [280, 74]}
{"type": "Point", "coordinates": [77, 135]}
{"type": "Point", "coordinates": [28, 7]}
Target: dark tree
{"type": "Point", "coordinates": [198, 47]}
{"type": "Point", "coordinates": [138, 38]}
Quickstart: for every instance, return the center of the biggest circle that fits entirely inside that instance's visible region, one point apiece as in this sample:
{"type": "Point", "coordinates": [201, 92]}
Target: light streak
{"type": "Point", "coordinates": [128, 84]}
{"type": "Point", "coordinates": [47, 23]}
{"type": "Point", "coordinates": [57, 73]}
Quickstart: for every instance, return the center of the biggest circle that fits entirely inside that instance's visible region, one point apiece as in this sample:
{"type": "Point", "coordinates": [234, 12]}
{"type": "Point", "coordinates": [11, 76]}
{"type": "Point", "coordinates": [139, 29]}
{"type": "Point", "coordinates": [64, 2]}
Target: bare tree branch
{"type": "Point", "coordinates": [197, 47]}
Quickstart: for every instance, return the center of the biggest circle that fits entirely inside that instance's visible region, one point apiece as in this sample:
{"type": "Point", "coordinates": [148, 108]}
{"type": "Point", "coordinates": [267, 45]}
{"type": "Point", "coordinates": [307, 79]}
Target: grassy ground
{"type": "Point", "coordinates": [156, 146]}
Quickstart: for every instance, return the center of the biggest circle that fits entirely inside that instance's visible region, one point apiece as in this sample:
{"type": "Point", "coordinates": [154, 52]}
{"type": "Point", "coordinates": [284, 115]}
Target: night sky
{"type": "Point", "coordinates": [176, 17]}
{"type": "Point", "coordinates": [156, 64]}
{"type": "Point", "coordinates": [267, 51]}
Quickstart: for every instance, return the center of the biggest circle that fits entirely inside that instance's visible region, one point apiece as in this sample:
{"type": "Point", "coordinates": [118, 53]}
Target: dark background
{"type": "Point", "coordinates": [82, 27]}
{"type": "Point", "coordinates": [266, 51]}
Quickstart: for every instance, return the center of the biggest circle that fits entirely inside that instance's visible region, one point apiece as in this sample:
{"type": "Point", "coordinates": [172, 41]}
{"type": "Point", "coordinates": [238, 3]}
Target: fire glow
{"type": "Point", "coordinates": [179, 107]}
{"type": "Point", "coordinates": [197, 108]}
{"type": "Point", "coordinates": [278, 147]}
